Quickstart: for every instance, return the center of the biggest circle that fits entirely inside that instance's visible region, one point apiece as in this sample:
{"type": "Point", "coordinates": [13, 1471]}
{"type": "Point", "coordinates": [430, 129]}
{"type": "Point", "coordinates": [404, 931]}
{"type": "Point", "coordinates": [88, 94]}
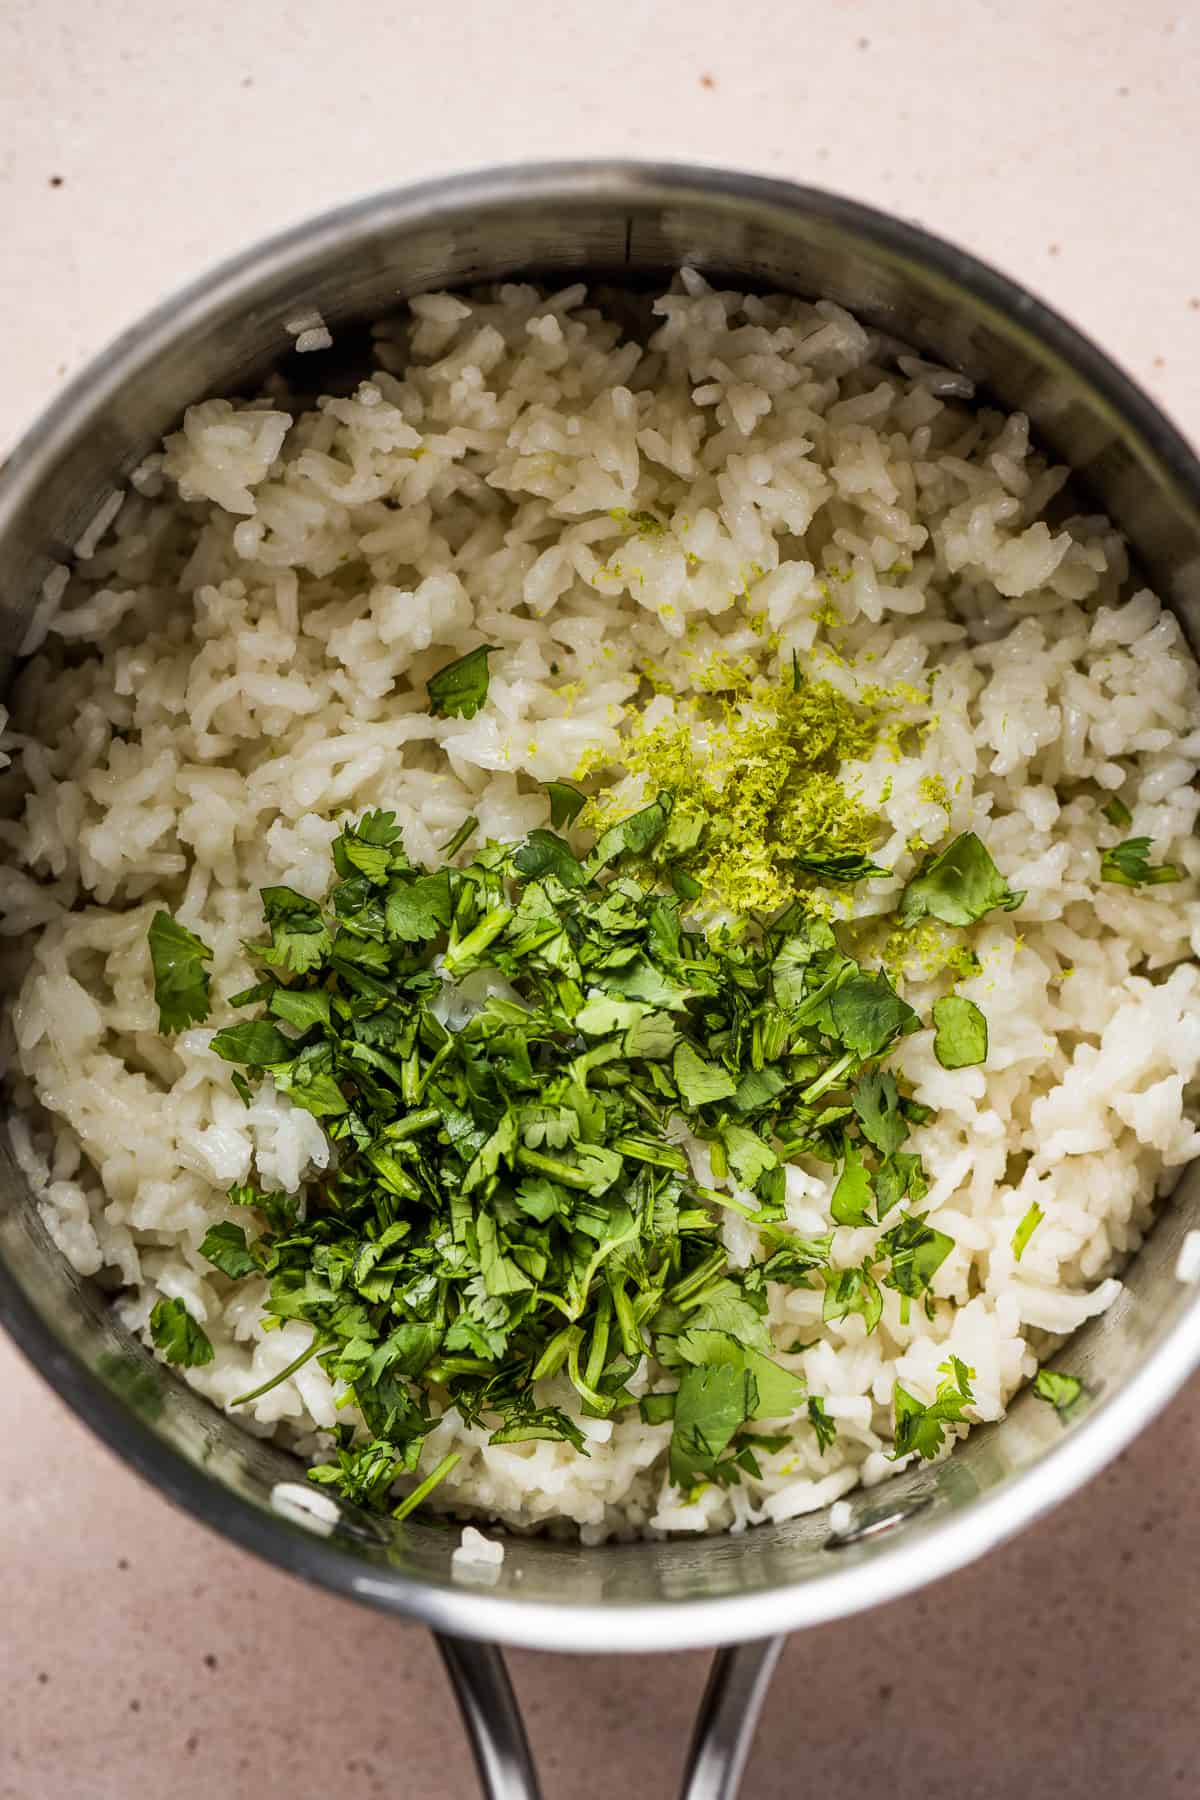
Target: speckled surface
{"type": "Point", "coordinates": [138, 1653]}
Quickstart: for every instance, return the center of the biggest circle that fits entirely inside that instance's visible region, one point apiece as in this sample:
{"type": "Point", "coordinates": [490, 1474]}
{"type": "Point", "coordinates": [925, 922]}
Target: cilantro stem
{"type": "Point", "coordinates": [659, 1156]}
{"type": "Point", "coordinates": [598, 1350]}
{"type": "Point", "coordinates": [829, 1077]}
{"type": "Point", "coordinates": [720, 1199]}
{"type": "Point", "coordinates": [476, 942]}
{"type": "Point", "coordinates": [553, 1356]}
{"type": "Point", "coordinates": [412, 1123]}
{"type": "Point", "coordinates": [411, 1501]}
{"type": "Point", "coordinates": [283, 1375]}
{"type": "Point", "coordinates": [697, 1278]}
{"type": "Point", "coordinates": [439, 1057]}
{"type": "Point", "coordinates": [631, 1337]}
{"type": "Point", "coordinates": [453, 845]}
{"type": "Point", "coordinates": [446, 1366]}
{"type": "Point", "coordinates": [537, 1164]}
{"type": "Point", "coordinates": [579, 1381]}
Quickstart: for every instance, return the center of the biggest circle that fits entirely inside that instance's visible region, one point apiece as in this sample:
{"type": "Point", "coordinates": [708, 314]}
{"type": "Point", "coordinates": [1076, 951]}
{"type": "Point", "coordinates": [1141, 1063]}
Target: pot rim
{"type": "Point", "coordinates": [945, 1543]}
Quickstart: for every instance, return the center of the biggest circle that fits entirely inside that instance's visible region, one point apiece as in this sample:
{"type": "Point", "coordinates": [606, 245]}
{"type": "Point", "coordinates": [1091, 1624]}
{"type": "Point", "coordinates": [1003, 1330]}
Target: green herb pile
{"type": "Point", "coordinates": [510, 1199]}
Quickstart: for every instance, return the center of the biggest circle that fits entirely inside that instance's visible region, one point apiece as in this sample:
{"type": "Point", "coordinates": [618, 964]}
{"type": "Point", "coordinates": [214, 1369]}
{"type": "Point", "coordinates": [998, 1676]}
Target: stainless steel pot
{"type": "Point", "coordinates": [628, 222]}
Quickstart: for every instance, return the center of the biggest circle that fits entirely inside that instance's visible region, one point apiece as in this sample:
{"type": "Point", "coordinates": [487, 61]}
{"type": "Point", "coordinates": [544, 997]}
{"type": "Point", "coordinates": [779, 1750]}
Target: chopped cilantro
{"type": "Point", "coordinates": [299, 936]}
{"type": "Point", "coordinates": [900, 1176]}
{"type": "Point", "coordinates": [958, 886]}
{"type": "Point", "coordinates": [566, 803]}
{"type": "Point", "coordinates": [699, 1081]}
{"type": "Point", "coordinates": [543, 853]}
{"type": "Point", "coordinates": [821, 1423]}
{"type": "Point", "coordinates": [917, 1252]}
{"type": "Point", "coordinates": [920, 1429]}
{"type": "Point", "coordinates": [1117, 813]}
{"type": "Point", "coordinates": [458, 690]}
{"type": "Point", "coordinates": [181, 981]}
{"type": "Point", "coordinates": [961, 1033]}
{"type": "Point", "coordinates": [225, 1248]}
{"type": "Point", "coordinates": [254, 1042]}
{"type": "Point", "coordinates": [853, 1291]}
{"type": "Point", "coordinates": [1059, 1391]}
{"type": "Point", "coordinates": [853, 1193]}
{"type": "Point", "coordinates": [418, 910]}
{"type": "Point", "coordinates": [178, 1336]}
{"type": "Point", "coordinates": [463, 835]}
{"type": "Point", "coordinates": [841, 870]}
{"type": "Point", "coordinates": [1129, 865]}
{"type": "Point", "coordinates": [869, 1015]}
{"type": "Point", "coordinates": [509, 1200]}
{"type": "Point", "coordinates": [424, 1488]}
{"type": "Point", "coordinates": [877, 1103]}
{"type": "Point", "coordinates": [1025, 1230]}
{"type": "Point", "coordinates": [724, 1384]}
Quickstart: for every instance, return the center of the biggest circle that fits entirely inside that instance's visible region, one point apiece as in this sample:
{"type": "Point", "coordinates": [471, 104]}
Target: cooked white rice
{"type": "Point", "coordinates": [241, 663]}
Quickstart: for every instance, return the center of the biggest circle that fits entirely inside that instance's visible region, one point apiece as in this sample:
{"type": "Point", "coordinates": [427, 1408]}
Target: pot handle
{"type": "Point", "coordinates": [737, 1686]}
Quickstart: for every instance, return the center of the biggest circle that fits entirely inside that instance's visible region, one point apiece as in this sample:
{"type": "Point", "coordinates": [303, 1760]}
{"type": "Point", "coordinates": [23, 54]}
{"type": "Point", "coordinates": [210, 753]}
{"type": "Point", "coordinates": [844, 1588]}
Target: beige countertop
{"type": "Point", "coordinates": [138, 144]}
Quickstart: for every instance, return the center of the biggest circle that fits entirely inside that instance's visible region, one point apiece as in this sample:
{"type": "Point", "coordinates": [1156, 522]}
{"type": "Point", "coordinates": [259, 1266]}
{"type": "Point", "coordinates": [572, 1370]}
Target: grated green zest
{"type": "Point", "coordinates": [766, 785]}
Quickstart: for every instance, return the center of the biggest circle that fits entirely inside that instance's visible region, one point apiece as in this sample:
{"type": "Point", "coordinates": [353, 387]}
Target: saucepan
{"type": "Point", "coordinates": [631, 223]}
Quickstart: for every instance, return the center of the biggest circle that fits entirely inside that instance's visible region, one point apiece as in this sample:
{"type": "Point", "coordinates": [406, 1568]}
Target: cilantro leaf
{"type": "Point", "coordinates": [543, 853]}
{"type": "Point", "coordinates": [1059, 1391]}
{"type": "Point", "coordinates": [842, 869]}
{"type": "Point", "coordinates": [700, 1082]}
{"type": "Point", "coordinates": [175, 1332]}
{"type": "Point", "coordinates": [181, 981]}
{"type": "Point", "coordinates": [723, 1385]}
{"type": "Point", "coordinates": [1025, 1230]}
{"type": "Point", "coordinates": [921, 1429]}
{"type": "Point", "coordinates": [301, 1008]}
{"type": "Point", "coordinates": [714, 1400]}
{"type": "Point", "coordinates": [849, 1291]}
{"type": "Point", "coordinates": [632, 836]}
{"type": "Point", "coordinates": [566, 803]}
{"type": "Point", "coordinates": [1129, 865]}
{"type": "Point", "coordinates": [310, 1082]}
{"type": "Point", "coordinates": [372, 850]}
{"type": "Point", "coordinates": [958, 886]}
{"type": "Point", "coordinates": [868, 1015]}
{"type": "Point", "coordinates": [225, 1248]}
{"type": "Point", "coordinates": [419, 910]}
{"type": "Point", "coordinates": [961, 1033]}
{"type": "Point", "coordinates": [792, 1261]}
{"type": "Point", "coordinates": [549, 1423]}
{"type": "Point", "coordinates": [1117, 813]}
{"type": "Point", "coordinates": [732, 1312]}
{"type": "Point", "coordinates": [500, 1273]}
{"type": "Point", "coordinates": [757, 1089]}
{"type": "Point", "coordinates": [852, 1195]}
{"type": "Point", "coordinates": [460, 688]}
{"type": "Point", "coordinates": [255, 1042]}
{"type": "Point", "coordinates": [877, 1103]}
{"type": "Point", "coordinates": [603, 1015]}
{"type": "Point", "coordinates": [821, 1423]}
{"type": "Point", "coordinates": [748, 1156]}
{"type": "Point", "coordinates": [917, 1252]}
{"type": "Point", "coordinates": [300, 938]}
{"type": "Point", "coordinates": [900, 1176]}
{"type": "Point", "coordinates": [652, 1035]}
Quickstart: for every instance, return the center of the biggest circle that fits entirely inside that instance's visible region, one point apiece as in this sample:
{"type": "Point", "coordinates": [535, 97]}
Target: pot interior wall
{"type": "Point", "coordinates": [566, 224]}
